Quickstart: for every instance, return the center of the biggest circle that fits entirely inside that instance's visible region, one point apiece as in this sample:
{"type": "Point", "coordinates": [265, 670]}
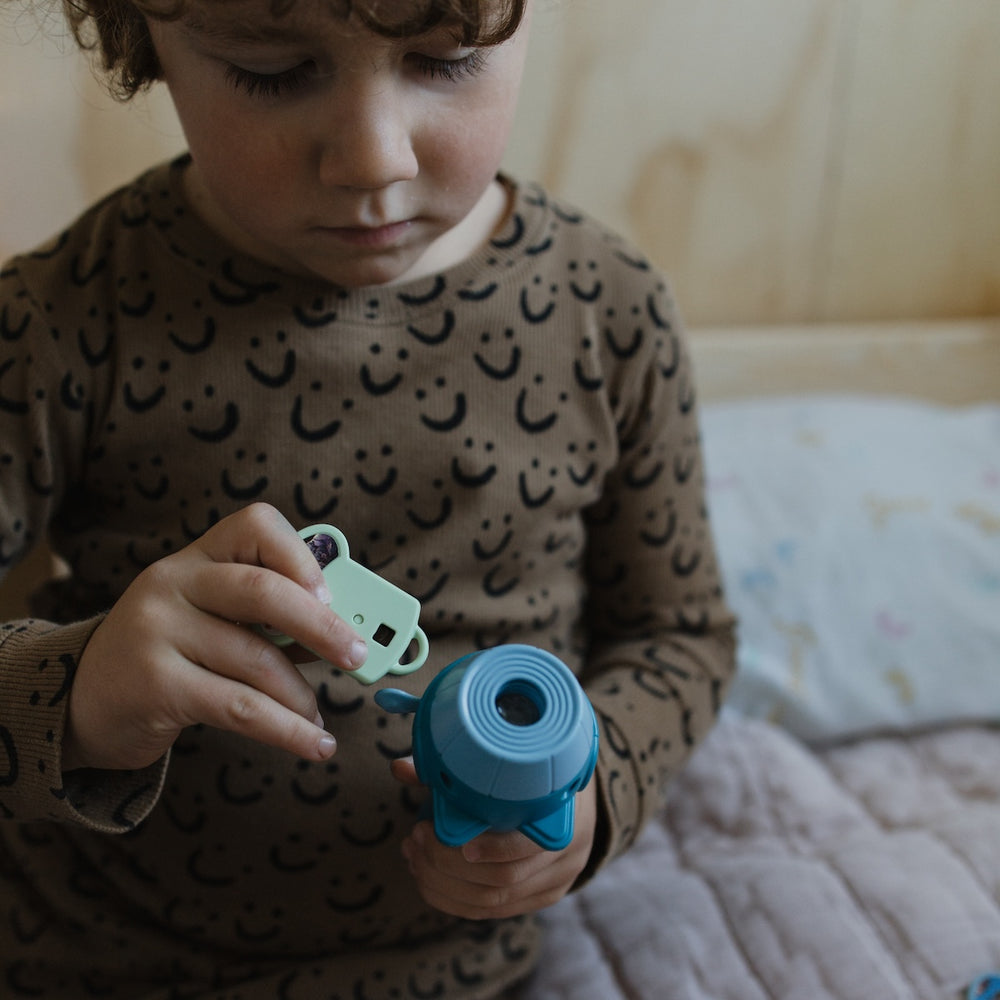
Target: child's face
{"type": "Point", "coordinates": [323, 148]}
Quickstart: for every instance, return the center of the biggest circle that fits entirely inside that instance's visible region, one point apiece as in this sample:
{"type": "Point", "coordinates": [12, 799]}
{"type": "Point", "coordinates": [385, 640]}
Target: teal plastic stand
{"type": "Point", "coordinates": [505, 738]}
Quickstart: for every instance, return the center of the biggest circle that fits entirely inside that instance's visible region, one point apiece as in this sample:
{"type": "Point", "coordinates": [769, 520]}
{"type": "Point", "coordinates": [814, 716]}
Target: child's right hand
{"type": "Point", "coordinates": [171, 652]}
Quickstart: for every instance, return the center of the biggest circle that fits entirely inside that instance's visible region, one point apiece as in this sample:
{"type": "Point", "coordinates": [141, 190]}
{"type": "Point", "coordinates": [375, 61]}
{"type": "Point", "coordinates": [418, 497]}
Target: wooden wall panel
{"type": "Point", "coordinates": [64, 142]}
{"type": "Point", "coordinates": [786, 160]}
{"type": "Point", "coordinates": [917, 220]}
{"type": "Point", "coordinates": [703, 136]}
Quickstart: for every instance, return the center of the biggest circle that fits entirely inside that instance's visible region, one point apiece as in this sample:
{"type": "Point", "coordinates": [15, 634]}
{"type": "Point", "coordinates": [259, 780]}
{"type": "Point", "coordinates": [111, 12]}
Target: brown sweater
{"type": "Point", "coordinates": [514, 442]}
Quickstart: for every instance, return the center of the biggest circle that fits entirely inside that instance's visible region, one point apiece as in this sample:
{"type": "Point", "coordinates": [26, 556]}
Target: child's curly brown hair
{"type": "Point", "coordinates": [117, 28]}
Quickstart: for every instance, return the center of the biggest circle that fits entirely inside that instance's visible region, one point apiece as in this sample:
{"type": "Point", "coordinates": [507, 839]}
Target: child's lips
{"type": "Point", "coordinates": [374, 237]}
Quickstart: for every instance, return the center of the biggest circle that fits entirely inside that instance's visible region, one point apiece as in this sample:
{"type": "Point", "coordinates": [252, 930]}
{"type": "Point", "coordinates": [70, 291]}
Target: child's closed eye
{"type": "Point", "coordinates": [270, 84]}
{"type": "Point", "coordinates": [452, 70]}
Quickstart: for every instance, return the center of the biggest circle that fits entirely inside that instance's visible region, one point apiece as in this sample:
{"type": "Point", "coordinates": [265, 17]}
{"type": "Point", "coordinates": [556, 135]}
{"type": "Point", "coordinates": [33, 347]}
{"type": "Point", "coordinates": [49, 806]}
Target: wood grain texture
{"type": "Point", "coordinates": [787, 161]}
{"type": "Point", "coordinates": [953, 363]}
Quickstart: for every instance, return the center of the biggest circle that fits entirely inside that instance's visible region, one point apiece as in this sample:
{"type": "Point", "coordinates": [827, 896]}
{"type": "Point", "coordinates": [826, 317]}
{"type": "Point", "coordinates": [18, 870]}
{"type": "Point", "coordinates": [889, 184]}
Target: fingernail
{"type": "Point", "coordinates": [472, 852]}
{"type": "Point", "coordinates": [322, 594]}
{"type": "Point", "coordinates": [358, 653]}
{"type": "Point", "coordinates": [327, 746]}
{"type": "Point", "coordinates": [318, 721]}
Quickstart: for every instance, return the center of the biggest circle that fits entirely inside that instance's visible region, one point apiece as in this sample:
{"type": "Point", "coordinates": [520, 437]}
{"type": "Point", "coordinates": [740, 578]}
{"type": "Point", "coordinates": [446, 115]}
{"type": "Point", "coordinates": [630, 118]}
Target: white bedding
{"type": "Point", "coordinates": [837, 836]}
{"type": "Point", "coordinates": [860, 543]}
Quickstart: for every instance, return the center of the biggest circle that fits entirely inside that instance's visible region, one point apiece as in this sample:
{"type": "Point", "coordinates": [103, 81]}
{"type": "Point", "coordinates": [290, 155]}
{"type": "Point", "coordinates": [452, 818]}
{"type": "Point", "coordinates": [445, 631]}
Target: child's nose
{"type": "Point", "coordinates": [369, 142]}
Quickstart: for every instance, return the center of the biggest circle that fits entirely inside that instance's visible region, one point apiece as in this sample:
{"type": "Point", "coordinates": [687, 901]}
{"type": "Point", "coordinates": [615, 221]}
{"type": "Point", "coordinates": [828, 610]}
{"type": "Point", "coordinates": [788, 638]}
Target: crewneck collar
{"type": "Point", "coordinates": [189, 239]}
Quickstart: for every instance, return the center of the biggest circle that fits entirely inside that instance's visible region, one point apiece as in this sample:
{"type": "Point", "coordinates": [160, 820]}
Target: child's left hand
{"type": "Point", "coordinates": [496, 875]}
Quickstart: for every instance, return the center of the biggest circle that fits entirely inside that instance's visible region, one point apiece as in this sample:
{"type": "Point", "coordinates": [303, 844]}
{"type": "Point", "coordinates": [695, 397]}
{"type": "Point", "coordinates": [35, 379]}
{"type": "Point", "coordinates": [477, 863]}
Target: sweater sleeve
{"type": "Point", "coordinates": [662, 650]}
{"type": "Point", "coordinates": [37, 664]}
{"type": "Point", "coordinates": [44, 414]}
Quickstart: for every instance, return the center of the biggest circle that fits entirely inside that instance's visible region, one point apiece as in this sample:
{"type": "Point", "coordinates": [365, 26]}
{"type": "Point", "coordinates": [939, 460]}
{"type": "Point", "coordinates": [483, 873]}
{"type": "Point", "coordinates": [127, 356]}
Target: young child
{"type": "Point", "coordinates": [332, 309]}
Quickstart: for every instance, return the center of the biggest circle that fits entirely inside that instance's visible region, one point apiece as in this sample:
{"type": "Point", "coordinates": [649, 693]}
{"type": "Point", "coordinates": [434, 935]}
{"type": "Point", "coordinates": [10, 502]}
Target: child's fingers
{"type": "Point", "coordinates": [499, 875]}
{"type": "Point", "coordinates": [255, 568]}
{"type": "Point", "coordinates": [241, 655]}
{"type": "Point", "coordinates": [243, 593]}
{"type": "Point", "coordinates": [259, 535]}
{"type": "Point", "coordinates": [522, 857]}
{"type": "Point", "coordinates": [223, 703]}
{"type": "Point", "coordinates": [500, 848]}
{"type": "Point", "coordinates": [486, 890]}
{"type": "Point", "coordinates": [404, 770]}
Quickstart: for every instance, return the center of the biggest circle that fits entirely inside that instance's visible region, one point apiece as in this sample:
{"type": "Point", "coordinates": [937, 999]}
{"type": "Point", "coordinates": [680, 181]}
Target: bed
{"type": "Point", "coordinates": [838, 833]}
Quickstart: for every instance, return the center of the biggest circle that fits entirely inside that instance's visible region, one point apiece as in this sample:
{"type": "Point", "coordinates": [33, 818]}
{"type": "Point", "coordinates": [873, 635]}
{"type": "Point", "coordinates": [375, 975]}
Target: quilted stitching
{"type": "Point", "coordinates": [871, 868]}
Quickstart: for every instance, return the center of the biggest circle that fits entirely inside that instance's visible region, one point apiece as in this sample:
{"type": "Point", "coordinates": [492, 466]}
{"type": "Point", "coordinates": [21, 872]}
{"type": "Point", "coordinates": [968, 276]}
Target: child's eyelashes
{"type": "Point", "coordinates": [269, 84]}
{"type": "Point", "coordinates": [451, 69]}
{"type": "Point", "coordinates": [273, 85]}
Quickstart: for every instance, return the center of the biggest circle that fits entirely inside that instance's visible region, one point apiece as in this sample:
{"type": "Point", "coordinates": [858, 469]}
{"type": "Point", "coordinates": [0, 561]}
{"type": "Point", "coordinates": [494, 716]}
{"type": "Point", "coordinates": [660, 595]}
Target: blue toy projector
{"type": "Point", "coordinates": [505, 738]}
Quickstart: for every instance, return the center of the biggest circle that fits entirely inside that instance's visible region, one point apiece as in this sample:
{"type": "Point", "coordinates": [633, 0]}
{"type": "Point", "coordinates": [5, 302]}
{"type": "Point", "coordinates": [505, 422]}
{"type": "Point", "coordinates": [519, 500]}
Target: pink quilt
{"type": "Point", "coordinates": [869, 870]}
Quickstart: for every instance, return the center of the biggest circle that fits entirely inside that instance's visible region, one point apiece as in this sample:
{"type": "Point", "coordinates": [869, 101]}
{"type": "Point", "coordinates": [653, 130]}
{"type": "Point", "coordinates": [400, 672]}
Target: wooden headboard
{"type": "Point", "coordinates": [946, 362]}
